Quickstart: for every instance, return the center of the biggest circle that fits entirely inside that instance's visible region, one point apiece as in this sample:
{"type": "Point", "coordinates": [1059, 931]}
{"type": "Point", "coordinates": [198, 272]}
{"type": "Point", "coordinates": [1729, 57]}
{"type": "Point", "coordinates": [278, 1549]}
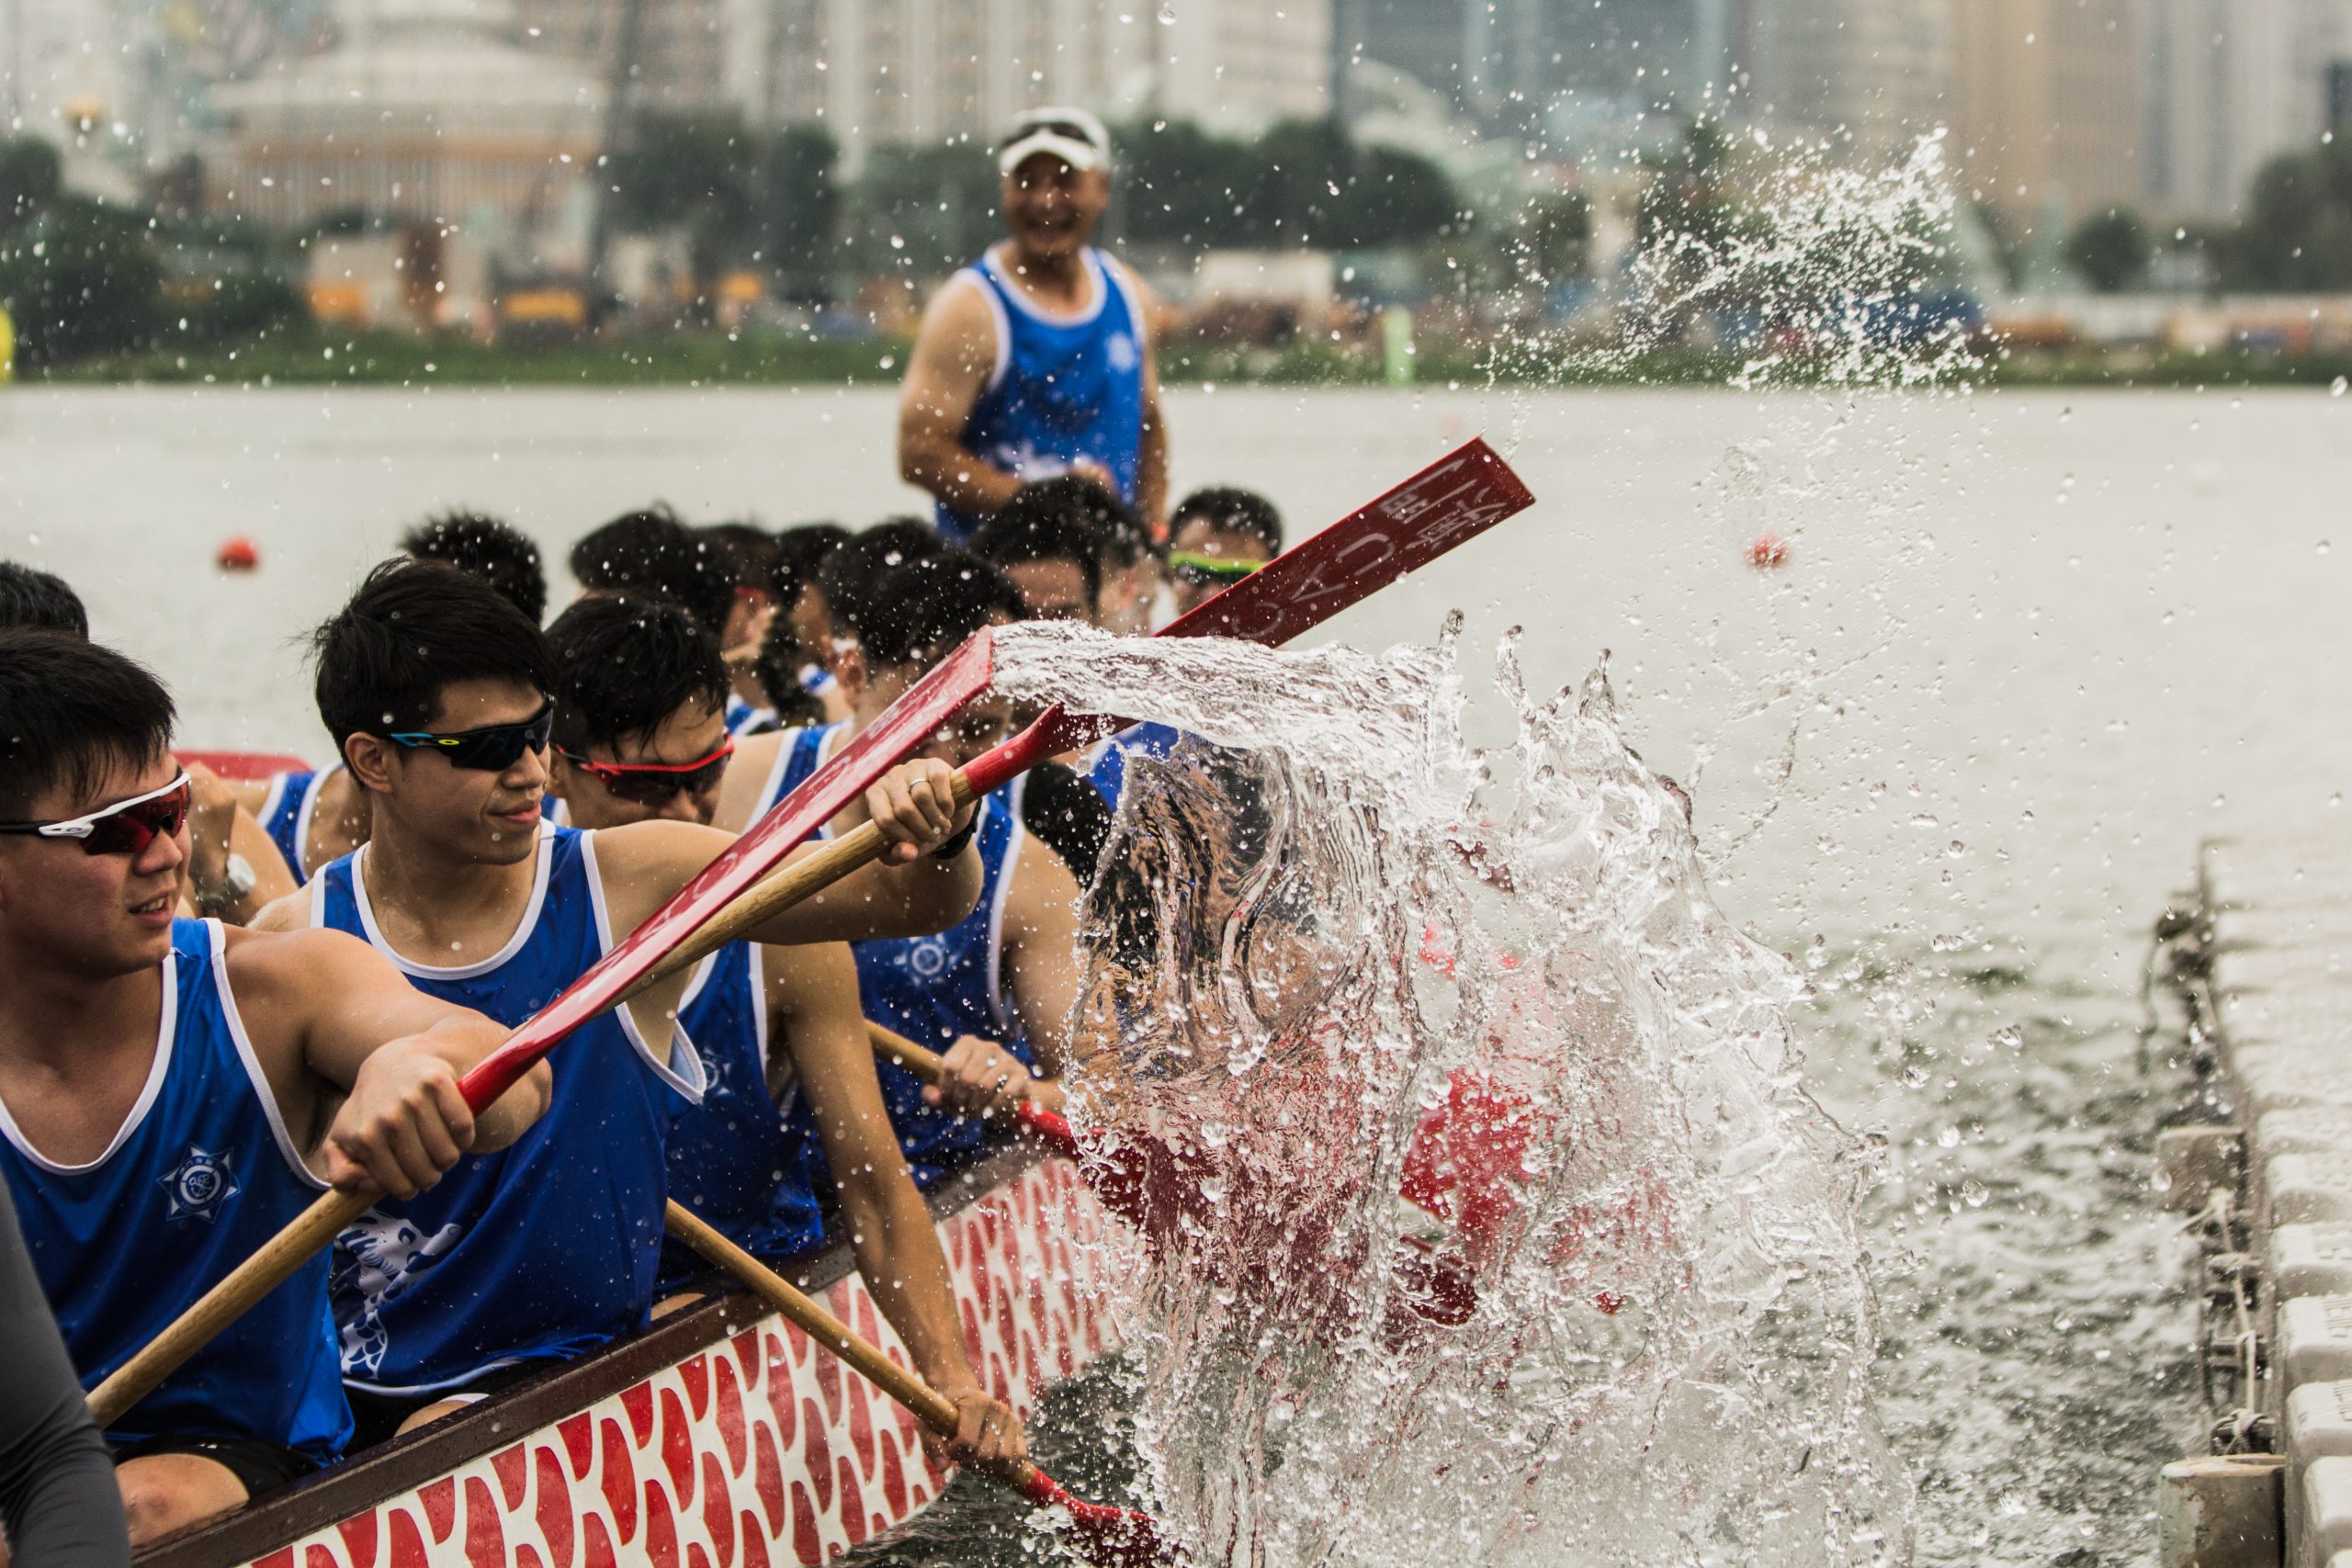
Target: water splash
{"type": "Point", "coordinates": [1333, 950]}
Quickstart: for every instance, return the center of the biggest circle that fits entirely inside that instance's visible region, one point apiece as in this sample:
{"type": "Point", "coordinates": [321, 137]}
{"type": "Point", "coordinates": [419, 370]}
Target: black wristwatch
{"type": "Point", "coordinates": [955, 846]}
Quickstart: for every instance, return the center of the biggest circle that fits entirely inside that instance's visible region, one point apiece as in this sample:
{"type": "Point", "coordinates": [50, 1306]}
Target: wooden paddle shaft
{"type": "Point", "coordinates": [320, 1224]}
{"type": "Point", "coordinates": [834, 860]}
{"type": "Point", "coordinates": [225, 1303]}
{"type": "Point", "coordinates": [929, 1405]}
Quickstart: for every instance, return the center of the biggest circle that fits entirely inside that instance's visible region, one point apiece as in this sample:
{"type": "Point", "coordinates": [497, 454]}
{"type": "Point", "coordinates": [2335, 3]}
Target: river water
{"type": "Point", "coordinates": [2025, 652]}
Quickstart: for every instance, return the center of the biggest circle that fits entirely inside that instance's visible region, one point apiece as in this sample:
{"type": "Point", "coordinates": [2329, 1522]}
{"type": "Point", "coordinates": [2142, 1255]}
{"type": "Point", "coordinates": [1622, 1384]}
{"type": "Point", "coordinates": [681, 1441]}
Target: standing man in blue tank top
{"type": "Point", "coordinates": [1037, 359]}
{"type": "Point", "coordinates": [440, 696]}
{"type": "Point", "coordinates": [173, 1092]}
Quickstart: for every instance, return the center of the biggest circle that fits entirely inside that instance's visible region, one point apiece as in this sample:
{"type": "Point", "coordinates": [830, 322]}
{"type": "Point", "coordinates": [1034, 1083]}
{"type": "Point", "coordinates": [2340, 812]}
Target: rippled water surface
{"type": "Point", "coordinates": [2026, 651]}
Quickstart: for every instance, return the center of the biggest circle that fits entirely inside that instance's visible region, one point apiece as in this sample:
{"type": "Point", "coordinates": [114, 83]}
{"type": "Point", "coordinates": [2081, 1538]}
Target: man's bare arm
{"type": "Point", "coordinates": [392, 1054]}
{"type": "Point", "coordinates": [1151, 459]}
{"type": "Point", "coordinates": [953, 353]}
{"type": "Point", "coordinates": [1041, 954]}
{"type": "Point", "coordinates": [815, 990]}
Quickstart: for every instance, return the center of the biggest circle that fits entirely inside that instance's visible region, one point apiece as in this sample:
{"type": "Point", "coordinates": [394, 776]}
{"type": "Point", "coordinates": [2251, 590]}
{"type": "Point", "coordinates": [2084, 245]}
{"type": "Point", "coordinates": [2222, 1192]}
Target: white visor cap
{"type": "Point", "coordinates": [1074, 136]}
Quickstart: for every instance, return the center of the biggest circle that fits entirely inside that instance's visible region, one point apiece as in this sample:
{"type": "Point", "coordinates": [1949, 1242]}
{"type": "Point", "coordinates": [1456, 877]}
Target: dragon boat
{"type": "Point", "coordinates": [720, 1436]}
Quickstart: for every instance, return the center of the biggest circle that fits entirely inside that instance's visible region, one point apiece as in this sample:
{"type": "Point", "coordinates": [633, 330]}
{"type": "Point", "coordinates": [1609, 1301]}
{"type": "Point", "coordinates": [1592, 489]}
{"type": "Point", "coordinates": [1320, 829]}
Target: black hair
{"type": "Point", "coordinates": [1054, 519]}
{"type": "Point", "coordinates": [625, 664]}
{"type": "Point", "coordinates": [499, 553]}
{"type": "Point", "coordinates": [925, 608]}
{"type": "Point", "coordinates": [777, 668]}
{"type": "Point", "coordinates": [651, 551]}
{"type": "Point", "coordinates": [1231, 510]}
{"type": "Point", "coordinates": [800, 552]}
{"type": "Point", "coordinates": [851, 576]}
{"type": "Point", "coordinates": [751, 553]}
{"type": "Point", "coordinates": [71, 713]}
{"type": "Point", "coordinates": [31, 597]}
{"type": "Point", "coordinates": [413, 629]}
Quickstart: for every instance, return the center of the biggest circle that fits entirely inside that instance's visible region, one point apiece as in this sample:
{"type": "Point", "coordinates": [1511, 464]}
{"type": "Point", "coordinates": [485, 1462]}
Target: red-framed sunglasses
{"type": "Point", "coordinates": [127, 826]}
{"type": "Point", "coordinates": [656, 784]}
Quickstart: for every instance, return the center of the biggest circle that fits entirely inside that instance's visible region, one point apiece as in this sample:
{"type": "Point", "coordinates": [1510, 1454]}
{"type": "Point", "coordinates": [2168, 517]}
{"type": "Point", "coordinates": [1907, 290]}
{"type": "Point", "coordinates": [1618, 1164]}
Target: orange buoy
{"type": "Point", "coordinates": [1768, 551]}
{"type": "Point", "coordinates": [237, 553]}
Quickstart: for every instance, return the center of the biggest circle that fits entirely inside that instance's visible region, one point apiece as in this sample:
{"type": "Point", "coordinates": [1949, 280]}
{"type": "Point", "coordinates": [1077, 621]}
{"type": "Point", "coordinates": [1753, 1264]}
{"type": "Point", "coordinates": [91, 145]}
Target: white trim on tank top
{"type": "Point", "coordinates": [302, 817]}
{"type": "Point", "coordinates": [1002, 323]}
{"type": "Point", "coordinates": [246, 1054]}
{"type": "Point", "coordinates": [1081, 317]}
{"type": "Point", "coordinates": [544, 849]}
{"type": "Point", "coordinates": [166, 1035]}
{"type": "Point", "coordinates": [695, 1079]}
{"type": "Point", "coordinates": [773, 791]}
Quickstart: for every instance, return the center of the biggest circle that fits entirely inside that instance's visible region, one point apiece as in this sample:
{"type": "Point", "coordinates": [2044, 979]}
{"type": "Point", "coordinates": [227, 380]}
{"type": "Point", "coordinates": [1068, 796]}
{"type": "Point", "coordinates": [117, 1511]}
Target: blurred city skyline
{"type": "Point", "coordinates": [2056, 108]}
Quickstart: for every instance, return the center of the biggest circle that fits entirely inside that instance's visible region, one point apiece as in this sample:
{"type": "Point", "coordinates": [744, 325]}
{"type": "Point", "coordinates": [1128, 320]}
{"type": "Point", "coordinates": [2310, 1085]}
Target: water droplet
{"type": "Point", "coordinates": [1975, 1192]}
{"type": "Point", "coordinates": [1167, 16]}
{"type": "Point", "coordinates": [2337, 387]}
{"type": "Point", "coordinates": [1949, 1138]}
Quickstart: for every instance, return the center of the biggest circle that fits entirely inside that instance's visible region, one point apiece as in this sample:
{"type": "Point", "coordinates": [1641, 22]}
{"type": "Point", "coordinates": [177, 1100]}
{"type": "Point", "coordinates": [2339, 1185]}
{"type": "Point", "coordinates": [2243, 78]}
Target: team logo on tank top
{"type": "Point", "coordinates": [928, 957]}
{"type": "Point", "coordinates": [197, 1186]}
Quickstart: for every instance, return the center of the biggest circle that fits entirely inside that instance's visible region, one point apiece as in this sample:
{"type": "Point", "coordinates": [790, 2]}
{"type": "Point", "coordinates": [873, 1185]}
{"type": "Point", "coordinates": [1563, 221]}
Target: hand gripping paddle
{"type": "Point", "coordinates": [1103, 1534]}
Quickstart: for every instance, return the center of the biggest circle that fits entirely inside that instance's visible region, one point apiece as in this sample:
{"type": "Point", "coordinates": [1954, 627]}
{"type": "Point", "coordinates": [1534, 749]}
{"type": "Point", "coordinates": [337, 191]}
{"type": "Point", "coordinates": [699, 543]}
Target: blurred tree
{"type": "Point", "coordinates": [2110, 250]}
{"type": "Point", "coordinates": [1305, 183]}
{"type": "Point", "coordinates": [30, 176]}
{"type": "Point", "coordinates": [1180, 184]}
{"type": "Point", "coordinates": [797, 209]}
{"type": "Point", "coordinates": [689, 171]}
{"type": "Point", "coordinates": [2297, 233]}
{"type": "Point", "coordinates": [925, 210]}
{"type": "Point", "coordinates": [80, 277]}
{"type": "Point", "coordinates": [1553, 234]}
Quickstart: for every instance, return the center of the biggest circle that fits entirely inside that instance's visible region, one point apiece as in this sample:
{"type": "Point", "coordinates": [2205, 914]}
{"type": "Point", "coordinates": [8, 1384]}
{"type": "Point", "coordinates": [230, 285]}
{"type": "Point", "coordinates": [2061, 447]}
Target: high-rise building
{"type": "Point", "coordinates": [1526, 66]}
{"type": "Point", "coordinates": [2230, 86]}
{"type": "Point", "coordinates": [676, 49]}
{"type": "Point", "coordinates": [887, 72]}
{"type": "Point", "coordinates": [2046, 115]}
{"type": "Point", "coordinates": [1872, 75]}
{"type": "Point", "coordinates": [61, 66]}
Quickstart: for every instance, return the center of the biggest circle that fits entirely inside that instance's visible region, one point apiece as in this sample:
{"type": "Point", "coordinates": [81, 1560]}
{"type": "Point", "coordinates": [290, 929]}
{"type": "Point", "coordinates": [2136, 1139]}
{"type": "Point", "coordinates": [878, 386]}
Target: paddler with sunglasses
{"type": "Point", "coordinates": [1036, 359]}
{"type": "Point", "coordinates": [639, 730]}
{"type": "Point", "coordinates": [439, 694]}
{"type": "Point", "coordinates": [173, 1092]}
{"type": "Point", "coordinates": [1217, 536]}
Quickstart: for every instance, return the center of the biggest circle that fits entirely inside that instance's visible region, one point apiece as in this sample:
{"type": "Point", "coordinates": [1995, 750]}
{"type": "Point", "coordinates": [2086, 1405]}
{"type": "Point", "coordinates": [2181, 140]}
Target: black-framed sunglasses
{"type": "Point", "coordinates": [127, 826]}
{"type": "Point", "coordinates": [493, 749]}
{"type": "Point", "coordinates": [655, 784]}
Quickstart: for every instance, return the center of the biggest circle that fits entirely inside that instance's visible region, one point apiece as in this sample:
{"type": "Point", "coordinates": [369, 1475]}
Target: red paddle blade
{"type": "Point", "coordinates": [1457, 497]}
{"type": "Point", "coordinates": [926, 707]}
{"type": "Point", "coordinates": [1101, 1533]}
{"type": "Point", "coordinates": [1048, 1127]}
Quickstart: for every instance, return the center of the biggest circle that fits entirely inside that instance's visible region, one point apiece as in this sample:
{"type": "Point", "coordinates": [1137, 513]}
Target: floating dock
{"type": "Point", "coordinates": [2264, 965]}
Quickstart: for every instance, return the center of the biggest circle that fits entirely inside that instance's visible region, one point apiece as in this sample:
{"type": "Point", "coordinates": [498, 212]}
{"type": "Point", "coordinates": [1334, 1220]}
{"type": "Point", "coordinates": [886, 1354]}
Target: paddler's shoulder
{"type": "Point", "coordinates": [747, 776]}
{"type": "Point", "coordinates": [291, 913]}
{"type": "Point", "coordinates": [960, 320]}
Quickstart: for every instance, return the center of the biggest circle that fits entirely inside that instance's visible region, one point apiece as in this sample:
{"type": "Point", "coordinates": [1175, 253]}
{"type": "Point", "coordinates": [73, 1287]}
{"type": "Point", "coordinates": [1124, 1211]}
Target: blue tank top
{"type": "Point", "coordinates": [797, 755]}
{"type": "Point", "coordinates": [549, 1247]}
{"type": "Point", "coordinates": [934, 988]}
{"type": "Point", "coordinates": [1063, 388]}
{"type": "Point", "coordinates": [201, 1175]}
{"type": "Point", "coordinates": [735, 1160]}
{"type": "Point", "coordinates": [286, 814]}
{"type": "Point", "coordinates": [743, 719]}
{"type": "Point", "coordinates": [1109, 773]}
